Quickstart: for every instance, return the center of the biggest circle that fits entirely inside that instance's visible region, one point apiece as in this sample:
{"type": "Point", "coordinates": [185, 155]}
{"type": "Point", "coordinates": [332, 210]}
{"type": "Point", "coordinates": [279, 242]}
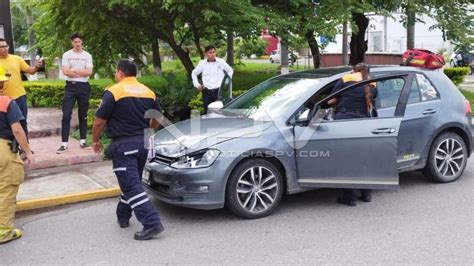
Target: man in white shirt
{"type": "Point", "coordinates": [77, 67]}
{"type": "Point", "coordinates": [212, 70]}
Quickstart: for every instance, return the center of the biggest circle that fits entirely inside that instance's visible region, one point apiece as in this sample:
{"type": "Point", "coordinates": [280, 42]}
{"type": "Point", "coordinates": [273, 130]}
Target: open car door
{"type": "Point", "coordinates": [352, 153]}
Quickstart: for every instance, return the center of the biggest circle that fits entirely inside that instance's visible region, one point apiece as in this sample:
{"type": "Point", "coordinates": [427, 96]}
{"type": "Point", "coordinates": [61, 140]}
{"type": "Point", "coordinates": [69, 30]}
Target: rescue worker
{"type": "Point", "coordinates": [11, 166]}
{"type": "Point", "coordinates": [122, 110]}
{"type": "Point", "coordinates": [358, 102]}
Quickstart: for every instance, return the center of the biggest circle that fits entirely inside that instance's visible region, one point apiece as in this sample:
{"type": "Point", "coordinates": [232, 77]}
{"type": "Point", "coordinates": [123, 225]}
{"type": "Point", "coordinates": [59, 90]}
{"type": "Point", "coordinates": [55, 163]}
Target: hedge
{"type": "Point", "coordinates": [175, 92]}
{"type": "Point", "coordinates": [456, 74]}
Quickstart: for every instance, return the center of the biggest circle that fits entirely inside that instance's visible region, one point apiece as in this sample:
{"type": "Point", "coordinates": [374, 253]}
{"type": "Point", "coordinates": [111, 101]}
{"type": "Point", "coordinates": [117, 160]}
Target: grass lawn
{"type": "Point", "coordinates": [469, 96]}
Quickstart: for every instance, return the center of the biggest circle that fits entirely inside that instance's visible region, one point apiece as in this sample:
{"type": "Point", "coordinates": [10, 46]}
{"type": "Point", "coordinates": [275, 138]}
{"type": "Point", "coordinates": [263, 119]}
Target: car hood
{"type": "Point", "coordinates": [203, 132]}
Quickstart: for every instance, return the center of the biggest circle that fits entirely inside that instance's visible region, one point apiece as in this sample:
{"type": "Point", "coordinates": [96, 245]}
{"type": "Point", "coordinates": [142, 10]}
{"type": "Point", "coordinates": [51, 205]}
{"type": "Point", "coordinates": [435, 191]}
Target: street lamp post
{"type": "Point", "coordinates": [6, 31]}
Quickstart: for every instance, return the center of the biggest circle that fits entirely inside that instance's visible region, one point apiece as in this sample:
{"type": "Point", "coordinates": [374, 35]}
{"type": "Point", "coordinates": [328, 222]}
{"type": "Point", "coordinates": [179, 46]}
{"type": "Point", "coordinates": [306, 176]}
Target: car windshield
{"type": "Point", "coordinates": [274, 96]}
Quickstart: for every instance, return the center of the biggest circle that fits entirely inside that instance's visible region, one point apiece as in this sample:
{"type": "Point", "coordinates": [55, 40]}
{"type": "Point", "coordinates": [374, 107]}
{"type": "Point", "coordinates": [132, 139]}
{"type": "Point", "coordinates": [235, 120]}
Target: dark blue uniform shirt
{"type": "Point", "coordinates": [124, 106]}
{"type": "Point", "coordinates": [352, 100]}
{"type": "Point", "coordinates": [9, 114]}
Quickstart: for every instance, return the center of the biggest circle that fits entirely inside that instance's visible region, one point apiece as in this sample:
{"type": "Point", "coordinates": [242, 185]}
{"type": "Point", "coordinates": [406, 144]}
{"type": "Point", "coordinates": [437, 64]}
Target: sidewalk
{"type": "Point", "coordinates": [55, 179]}
{"type": "Point", "coordinates": [64, 185]}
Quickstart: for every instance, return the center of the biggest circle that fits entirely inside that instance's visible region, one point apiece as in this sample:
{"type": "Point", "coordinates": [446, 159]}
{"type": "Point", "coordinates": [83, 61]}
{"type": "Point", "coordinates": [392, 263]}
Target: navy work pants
{"type": "Point", "coordinates": [73, 91]}
{"type": "Point", "coordinates": [209, 96]}
{"type": "Point", "coordinates": [129, 158]}
{"type": "Point", "coordinates": [351, 194]}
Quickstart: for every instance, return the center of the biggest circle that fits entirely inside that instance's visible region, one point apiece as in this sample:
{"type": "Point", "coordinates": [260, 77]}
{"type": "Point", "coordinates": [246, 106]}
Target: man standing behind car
{"type": "Point", "coordinates": [123, 109]}
{"type": "Point", "coordinates": [77, 67]}
{"type": "Point", "coordinates": [212, 70]}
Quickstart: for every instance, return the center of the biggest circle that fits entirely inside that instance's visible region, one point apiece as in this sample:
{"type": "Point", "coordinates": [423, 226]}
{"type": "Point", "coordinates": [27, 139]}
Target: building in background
{"type": "Point", "coordinates": [388, 35]}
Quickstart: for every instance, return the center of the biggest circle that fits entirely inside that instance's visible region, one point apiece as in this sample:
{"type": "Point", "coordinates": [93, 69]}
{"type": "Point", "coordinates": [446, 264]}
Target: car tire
{"type": "Point", "coordinates": [447, 158]}
{"type": "Point", "coordinates": [451, 63]}
{"type": "Point", "coordinates": [271, 61]}
{"type": "Point", "coordinates": [256, 196]}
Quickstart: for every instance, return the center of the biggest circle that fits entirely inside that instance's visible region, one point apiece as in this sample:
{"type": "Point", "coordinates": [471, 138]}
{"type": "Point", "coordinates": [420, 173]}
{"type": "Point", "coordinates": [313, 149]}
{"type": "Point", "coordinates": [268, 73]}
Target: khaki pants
{"type": "Point", "coordinates": [11, 176]}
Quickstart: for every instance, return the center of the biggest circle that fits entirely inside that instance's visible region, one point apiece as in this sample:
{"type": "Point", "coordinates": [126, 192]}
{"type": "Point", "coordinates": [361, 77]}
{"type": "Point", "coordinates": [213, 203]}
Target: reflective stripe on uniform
{"type": "Point", "coordinates": [120, 169]}
{"type": "Point", "coordinates": [139, 203]}
{"type": "Point", "coordinates": [136, 197]}
{"type": "Point", "coordinates": [130, 152]}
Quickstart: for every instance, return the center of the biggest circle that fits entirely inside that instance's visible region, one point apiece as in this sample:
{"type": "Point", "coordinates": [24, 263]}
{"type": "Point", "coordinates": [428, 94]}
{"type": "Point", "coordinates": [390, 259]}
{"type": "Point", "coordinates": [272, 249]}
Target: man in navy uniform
{"type": "Point", "coordinates": [123, 109]}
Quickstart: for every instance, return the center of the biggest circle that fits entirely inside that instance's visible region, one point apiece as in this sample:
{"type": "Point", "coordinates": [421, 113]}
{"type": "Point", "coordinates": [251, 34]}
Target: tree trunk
{"type": "Point", "coordinates": [314, 47]}
{"type": "Point", "coordinates": [31, 35]}
{"type": "Point", "coordinates": [197, 43]}
{"type": "Point", "coordinates": [284, 56]}
{"type": "Point", "coordinates": [230, 48]}
{"type": "Point", "coordinates": [182, 55]}
{"type": "Point", "coordinates": [410, 12]}
{"type": "Point", "coordinates": [358, 43]}
{"type": "Point", "coordinates": [155, 49]}
{"type": "Point", "coordinates": [345, 52]}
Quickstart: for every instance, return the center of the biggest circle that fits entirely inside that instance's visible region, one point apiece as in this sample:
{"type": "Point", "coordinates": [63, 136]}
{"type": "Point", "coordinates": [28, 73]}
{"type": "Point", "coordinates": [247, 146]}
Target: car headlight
{"type": "Point", "coordinates": [200, 159]}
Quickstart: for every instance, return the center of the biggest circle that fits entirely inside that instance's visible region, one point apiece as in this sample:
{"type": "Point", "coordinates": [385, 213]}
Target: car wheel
{"type": "Point", "coordinates": [271, 60]}
{"type": "Point", "coordinates": [447, 158]}
{"type": "Point", "coordinates": [254, 189]}
{"type": "Point", "coordinates": [451, 63]}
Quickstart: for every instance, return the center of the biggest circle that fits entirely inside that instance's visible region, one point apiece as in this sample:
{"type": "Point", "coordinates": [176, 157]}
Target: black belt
{"type": "Point", "coordinates": [76, 82]}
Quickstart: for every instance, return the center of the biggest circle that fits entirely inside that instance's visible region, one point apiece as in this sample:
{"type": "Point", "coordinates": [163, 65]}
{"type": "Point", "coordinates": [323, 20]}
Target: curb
{"type": "Point", "coordinates": [67, 199]}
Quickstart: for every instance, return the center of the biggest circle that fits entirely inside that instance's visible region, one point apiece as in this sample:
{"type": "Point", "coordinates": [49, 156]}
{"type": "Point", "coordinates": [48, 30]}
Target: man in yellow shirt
{"type": "Point", "coordinates": [14, 65]}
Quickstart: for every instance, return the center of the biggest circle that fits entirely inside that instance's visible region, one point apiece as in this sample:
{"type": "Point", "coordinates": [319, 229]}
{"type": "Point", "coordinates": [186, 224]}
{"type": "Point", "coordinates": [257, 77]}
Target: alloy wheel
{"type": "Point", "coordinates": [257, 189]}
{"type": "Point", "coordinates": [449, 157]}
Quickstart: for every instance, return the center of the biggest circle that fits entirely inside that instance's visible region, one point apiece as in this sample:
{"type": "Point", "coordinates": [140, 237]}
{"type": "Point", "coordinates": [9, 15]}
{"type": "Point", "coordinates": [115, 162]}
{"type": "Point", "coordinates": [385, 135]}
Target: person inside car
{"type": "Point", "coordinates": [357, 102]}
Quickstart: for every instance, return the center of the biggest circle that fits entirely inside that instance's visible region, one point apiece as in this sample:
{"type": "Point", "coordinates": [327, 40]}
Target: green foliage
{"type": "Point", "coordinates": [196, 103]}
{"type": "Point", "coordinates": [469, 96]}
{"type": "Point", "coordinates": [456, 74]}
{"type": "Point", "coordinates": [248, 47]}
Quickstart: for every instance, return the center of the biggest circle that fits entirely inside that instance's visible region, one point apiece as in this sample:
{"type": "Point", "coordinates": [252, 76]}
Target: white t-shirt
{"type": "Point", "coordinates": [212, 73]}
{"type": "Point", "coordinates": [75, 60]}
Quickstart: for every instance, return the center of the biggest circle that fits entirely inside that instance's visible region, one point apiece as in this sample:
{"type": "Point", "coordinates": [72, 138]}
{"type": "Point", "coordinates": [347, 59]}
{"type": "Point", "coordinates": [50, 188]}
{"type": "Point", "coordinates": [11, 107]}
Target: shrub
{"type": "Point", "coordinates": [456, 74]}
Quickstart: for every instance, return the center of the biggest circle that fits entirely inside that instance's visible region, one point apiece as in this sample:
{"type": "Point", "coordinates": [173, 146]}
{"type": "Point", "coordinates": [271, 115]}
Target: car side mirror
{"type": "Point", "coordinates": [214, 106]}
{"type": "Point", "coordinates": [303, 118]}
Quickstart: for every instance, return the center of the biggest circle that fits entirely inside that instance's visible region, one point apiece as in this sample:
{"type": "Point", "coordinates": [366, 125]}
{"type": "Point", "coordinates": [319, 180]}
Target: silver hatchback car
{"type": "Point", "coordinates": [278, 138]}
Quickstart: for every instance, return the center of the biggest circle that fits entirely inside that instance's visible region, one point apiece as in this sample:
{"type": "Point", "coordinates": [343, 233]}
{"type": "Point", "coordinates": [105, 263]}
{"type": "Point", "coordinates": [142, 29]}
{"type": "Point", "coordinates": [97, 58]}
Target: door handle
{"type": "Point", "coordinates": [429, 112]}
{"type": "Point", "coordinates": [384, 131]}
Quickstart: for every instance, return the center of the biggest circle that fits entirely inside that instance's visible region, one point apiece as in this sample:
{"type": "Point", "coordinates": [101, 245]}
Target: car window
{"type": "Point", "coordinates": [388, 92]}
{"type": "Point", "coordinates": [427, 91]}
{"type": "Point", "coordinates": [414, 96]}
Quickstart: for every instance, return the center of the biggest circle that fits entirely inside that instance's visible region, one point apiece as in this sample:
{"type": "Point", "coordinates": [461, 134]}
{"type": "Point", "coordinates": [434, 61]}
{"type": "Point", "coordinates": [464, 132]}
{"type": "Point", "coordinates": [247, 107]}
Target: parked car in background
{"type": "Point", "coordinates": [275, 57]}
{"type": "Point", "coordinates": [278, 139]}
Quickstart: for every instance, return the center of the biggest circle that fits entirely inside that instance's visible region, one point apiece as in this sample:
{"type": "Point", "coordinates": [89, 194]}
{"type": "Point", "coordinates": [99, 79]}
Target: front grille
{"type": "Point", "coordinates": [164, 159]}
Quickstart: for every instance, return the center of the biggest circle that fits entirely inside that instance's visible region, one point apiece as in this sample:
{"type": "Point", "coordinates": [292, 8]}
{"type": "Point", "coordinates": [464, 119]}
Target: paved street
{"type": "Point", "coordinates": [420, 223]}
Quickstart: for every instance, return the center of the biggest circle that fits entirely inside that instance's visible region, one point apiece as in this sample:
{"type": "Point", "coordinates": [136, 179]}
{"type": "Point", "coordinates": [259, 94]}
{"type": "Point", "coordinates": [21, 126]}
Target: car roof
{"type": "Point", "coordinates": [332, 71]}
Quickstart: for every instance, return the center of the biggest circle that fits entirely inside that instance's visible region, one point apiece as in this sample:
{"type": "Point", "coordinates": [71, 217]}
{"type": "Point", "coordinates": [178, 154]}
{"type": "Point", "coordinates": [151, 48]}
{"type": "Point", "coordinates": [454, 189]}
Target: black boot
{"type": "Point", "coordinates": [146, 234]}
{"type": "Point", "coordinates": [348, 197]}
{"type": "Point", "coordinates": [365, 195]}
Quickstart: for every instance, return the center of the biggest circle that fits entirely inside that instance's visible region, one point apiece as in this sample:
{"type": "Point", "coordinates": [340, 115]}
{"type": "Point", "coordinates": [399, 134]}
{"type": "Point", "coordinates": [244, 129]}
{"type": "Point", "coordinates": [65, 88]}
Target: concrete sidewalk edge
{"type": "Point", "coordinates": [67, 199]}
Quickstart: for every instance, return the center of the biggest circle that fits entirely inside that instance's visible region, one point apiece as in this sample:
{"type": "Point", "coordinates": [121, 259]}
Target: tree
{"type": "Point", "coordinates": [302, 18]}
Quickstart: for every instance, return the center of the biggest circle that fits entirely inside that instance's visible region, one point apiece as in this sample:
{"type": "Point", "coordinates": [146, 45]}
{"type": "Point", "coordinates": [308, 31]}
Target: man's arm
{"type": "Point", "coordinates": [83, 72]}
{"type": "Point", "coordinates": [228, 69]}
{"type": "Point", "coordinates": [87, 72]}
{"type": "Point", "coordinates": [97, 129]}
{"type": "Point", "coordinates": [20, 136]}
{"type": "Point", "coordinates": [30, 70]}
{"type": "Point", "coordinates": [194, 75]}
{"type": "Point", "coordinates": [69, 72]}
